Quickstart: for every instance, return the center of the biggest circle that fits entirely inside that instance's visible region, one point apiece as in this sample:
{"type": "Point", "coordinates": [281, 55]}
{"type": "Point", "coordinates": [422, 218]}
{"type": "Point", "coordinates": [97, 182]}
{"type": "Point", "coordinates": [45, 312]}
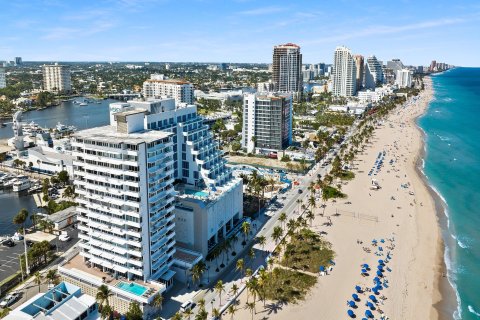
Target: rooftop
{"type": "Point", "coordinates": [171, 81]}
{"type": "Point", "coordinates": [109, 134]}
{"type": "Point", "coordinates": [62, 214]}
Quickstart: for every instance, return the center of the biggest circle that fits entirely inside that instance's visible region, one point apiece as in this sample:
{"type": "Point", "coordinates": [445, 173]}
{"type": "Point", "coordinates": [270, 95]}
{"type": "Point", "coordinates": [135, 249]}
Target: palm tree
{"type": "Point", "coordinates": [311, 202]}
{"type": "Point", "coordinates": [277, 233]}
{"type": "Point", "coordinates": [215, 313]}
{"type": "Point", "coordinates": [251, 254]}
{"type": "Point", "coordinates": [106, 312]}
{"type": "Point", "coordinates": [21, 218]}
{"type": "Point", "coordinates": [38, 279]}
{"type": "Point", "coordinates": [262, 240]}
{"type": "Point", "coordinates": [282, 218]}
{"type": "Point", "coordinates": [52, 276]}
{"type": "Point", "coordinates": [262, 283]}
{"type": "Point", "coordinates": [198, 270]}
{"type": "Point", "coordinates": [177, 316]}
{"type": "Point", "coordinates": [188, 313]}
{"type": "Point", "coordinates": [252, 287]}
{"type": "Point", "coordinates": [246, 230]}
{"type": "Point", "coordinates": [310, 216]}
{"type": "Point", "coordinates": [250, 306]}
{"type": "Point", "coordinates": [291, 225]}
{"type": "Point", "coordinates": [103, 294]}
{"type": "Point", "coordinates": [234, 289]}
{"type": "Point", "coordinates": [232, 310]}
{"type": "Point", "coordinates": [220, 287]}
{"type": "Point", "coordinates": [157, 301]}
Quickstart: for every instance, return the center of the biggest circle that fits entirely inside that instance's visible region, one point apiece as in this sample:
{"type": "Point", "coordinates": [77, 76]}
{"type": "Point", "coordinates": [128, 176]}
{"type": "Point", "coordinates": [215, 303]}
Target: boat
{"type": "Point", "coordinates": [83, 104]}
{"type": "Point", "coordinates": [3, 125]}
{"type": "Point", "coordinates": [63, 129]}
{"type": "Point", "coordinates": [21, 185]}
{"type": "Point", "coordinates": [31, 129]}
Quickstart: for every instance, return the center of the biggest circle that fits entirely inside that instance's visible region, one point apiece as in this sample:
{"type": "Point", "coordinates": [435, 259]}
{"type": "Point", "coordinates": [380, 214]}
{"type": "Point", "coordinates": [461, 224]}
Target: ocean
{"type": "Point", "coordinates": [452, 168]}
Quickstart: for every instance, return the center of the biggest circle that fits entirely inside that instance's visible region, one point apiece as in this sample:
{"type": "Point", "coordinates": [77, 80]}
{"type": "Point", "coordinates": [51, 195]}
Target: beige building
{"type": "Point", "coordinates": [56, 78]}
{"type": "Point", "coordinates": [159, 86]}
{"type": "Point", "coordinates": [360, 66]}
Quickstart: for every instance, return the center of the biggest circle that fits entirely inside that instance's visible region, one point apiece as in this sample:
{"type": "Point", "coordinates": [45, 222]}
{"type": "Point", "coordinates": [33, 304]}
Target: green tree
{"type": "Point", "coordinates": [246, 230]}
{"type": "Point", "coordinates": [52, 276]}
{"type": "Point", "coordinates": [220, 288]}
{"type": "Point", "coordinates": [63, 177]}
{"type": "Point", "coordinates": [232, 310]}
{"type": "Point", "coordinates": [103, 294]}
{"type": "Point", "coordinates": [21, 218]}
{"type": "Point", "coordinates": [277, 233]}
{"type": "Point", "coordinates": [38, 279]}
{"type": "Point", "coordinates": [134, 312]}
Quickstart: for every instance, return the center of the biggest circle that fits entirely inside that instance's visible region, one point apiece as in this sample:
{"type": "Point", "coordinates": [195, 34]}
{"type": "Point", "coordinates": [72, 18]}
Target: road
{"type": "Point", "coordinates": [285, 203]}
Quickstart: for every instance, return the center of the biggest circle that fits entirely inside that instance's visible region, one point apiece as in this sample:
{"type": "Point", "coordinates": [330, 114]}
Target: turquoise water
{"type": "Point", "coordinates": [134, 288]}
{"type": "Point", "coordinates": [196, 193]}
{"type": "Point", "coordinates": [452, 166]}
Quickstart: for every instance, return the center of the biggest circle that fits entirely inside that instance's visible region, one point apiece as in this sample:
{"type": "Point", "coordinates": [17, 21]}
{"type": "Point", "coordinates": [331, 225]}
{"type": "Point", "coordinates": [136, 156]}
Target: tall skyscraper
{"type": "Point", "coordinates": [395, 65]}
{"type": "Point", "coordinates": [3, 82]}
{"type": "Point", "coordinates": [373, 73]}
{"type": "Point", "coordinates": [433, 65]}
{"type": "Point", "coordinates": [359, 65]}
{"type": "Point", "coordinates": [287, 68]}
{"type": "Point", "coordinates": [267, 122]}
{"type": "Point", "coordinates": [404, 78]}
{"type": "Point", "coordinates": [159, 86]}
{"type": "Point", "coordinates": [18, 61]}
{"type": "Point", "coordinates": [56, 78]}
{"type": "Point", "coordinates": [344, 73]}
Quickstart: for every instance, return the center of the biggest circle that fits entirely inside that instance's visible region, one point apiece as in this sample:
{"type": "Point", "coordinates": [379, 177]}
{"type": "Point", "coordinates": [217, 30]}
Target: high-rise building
{"type": "Point", "coordinates": [395, 65]}
{"type": "Point", "coordinates": [344, 73]}
{"type": "Point", "coordinates": [359, 65]}
{"type": "Point", "coordinates": [268, 86]}
{"type": "Point", "coordinates": [404, 78]}
{"type": "Point", "coordinates": [57, 78]}
{"type": "Point", "coordinates": [159, 86]}
{"type": "Point", "coordinates": [433, 65]}
{"type": "Point", "coordinates": [287, 68]}
{"type": "Point", "coordinates": [18, 61]}
{"type": "Point", "coordinates": [3, 82]}
{"type": "Point", "coordinates": [267, 122]}
{"type": "Point", "coordinates": [373, 73]}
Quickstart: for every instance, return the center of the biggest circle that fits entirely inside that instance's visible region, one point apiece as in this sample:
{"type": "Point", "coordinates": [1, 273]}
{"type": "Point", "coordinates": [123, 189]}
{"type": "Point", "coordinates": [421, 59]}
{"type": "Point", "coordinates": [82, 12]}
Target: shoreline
{"type": "Point", "coordinates": [444, 296]}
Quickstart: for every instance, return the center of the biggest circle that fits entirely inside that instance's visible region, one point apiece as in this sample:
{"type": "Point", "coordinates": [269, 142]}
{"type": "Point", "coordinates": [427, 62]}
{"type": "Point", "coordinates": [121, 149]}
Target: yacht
{"type": "Point", "coordinates": [21, 185]}
{"type": "Point", "coordinates": [63, 129]}
{"type": "Point", "coordinates": [31, 129]}
{"type": "Point", "coordinates": [83, 104]}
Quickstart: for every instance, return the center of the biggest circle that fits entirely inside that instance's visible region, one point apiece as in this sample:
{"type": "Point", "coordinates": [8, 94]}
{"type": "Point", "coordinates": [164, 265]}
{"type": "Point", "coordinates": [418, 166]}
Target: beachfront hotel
{"type": "Point", "coordinates": [344, 73]}
{"type": "Point", "coordinates": [3, 82]}
{"type": "Point", "coordinates": [267, 122]}
{"type": "Point", "coordinates": [56, 78]}
{"type": "Point", "coordinates": [159, 86]}
{"type": "Point", "coordinates": [404, 78]}
{"type": "Point", "coordinates": [373, 73]}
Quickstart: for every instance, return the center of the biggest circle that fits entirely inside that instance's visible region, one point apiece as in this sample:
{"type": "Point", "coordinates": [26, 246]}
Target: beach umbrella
{"type": "Point", "coordinates": [368, 314]}
{"type": "Point", "coordinates": [374, 241]}
{"type": "Point", "coordinates": [380, 262]}
{"type": "Point", "coordinates": [370, 305]}
{"type": "Point", "coordinates": [372, 297]}
{"type": "Point", "coordinates": [380, 274]}
{"type": "Point", "coordinates": [352, 304]}
{"type": "Point", "coordinates": [355, 297]}
{"type": "Point", "coordinates": [382, 240]}
{"type": "Point", "coordinates": [366, 266]}
{"type": "Point", "coordinates": [358, 288]}
{"type": "Point", "coordinates": [332, 262]}
{"type": "Point", "coordinates": [380, 268]}
{"type": "Point", "coordinates": [350, 313]}
{"type": "Point", "coordinates": [322, 268]}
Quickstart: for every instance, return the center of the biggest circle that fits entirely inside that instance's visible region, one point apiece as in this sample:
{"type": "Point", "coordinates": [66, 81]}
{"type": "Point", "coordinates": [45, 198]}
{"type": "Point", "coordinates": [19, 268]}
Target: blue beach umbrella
{"type": "Point", "coordinates": [370, 305]}
{"type": "Point", "coordinates": [380, 274]}
{"type": "Point", "coordinates": [359, 289]}
{"type": "Point", "coordinates": [366, 266]}
{"type": "Point", "coordinates": [368, 314]}
{"type": "Point", "coordinates": [355, 297]}
{"type": "Point", "coordinates": [322, 268]}
{"type": "Point", "coordinates": [352, 304]}
{"type": "Point", "coordinates": [381, 262]}
{"type": "Point", "coordinates": [372, 297]}
{"type": "Point", "coordinates": [350, 313]}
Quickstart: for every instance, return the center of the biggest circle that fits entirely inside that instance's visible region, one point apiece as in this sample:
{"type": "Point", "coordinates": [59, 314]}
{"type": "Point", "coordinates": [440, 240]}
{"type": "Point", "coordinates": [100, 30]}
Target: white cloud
{"type": "Point", "coordinates": [263, 11]}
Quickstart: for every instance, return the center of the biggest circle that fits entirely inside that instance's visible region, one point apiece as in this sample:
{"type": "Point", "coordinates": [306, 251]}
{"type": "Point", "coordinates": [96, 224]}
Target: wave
{"type": "Point", "coordinates": [470, 308]}
{"type": "Point", "coordinates": [440, 196]}
{"type": "Point", "coordinates": [462, 245]}
{"type": "Point", "coordinates": [457, 314]}
{"type": "Point", "coordinates": [448, 99]}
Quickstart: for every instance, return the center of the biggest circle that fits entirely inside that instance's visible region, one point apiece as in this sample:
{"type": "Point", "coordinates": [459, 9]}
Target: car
{"type": "Point", "coordinates": [8, 243]}
{"type": "Point", "coordinates": [9, 299]}
{"type": "Point", "coordinates": [187, 305]}
{"type": "Point", "coordinates": [53, 246]}
{"type": "Point", "coordinates": [64, 237]}
{"type": "Point", "coordinates": [300, 191]}
{"type": "Point", "coordinates": [29, 243]}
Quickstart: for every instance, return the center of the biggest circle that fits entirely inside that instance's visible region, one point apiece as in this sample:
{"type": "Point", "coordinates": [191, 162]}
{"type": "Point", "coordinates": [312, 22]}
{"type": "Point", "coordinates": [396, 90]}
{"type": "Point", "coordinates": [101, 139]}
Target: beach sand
{"type": "Point", "coordinates": [417, 259]}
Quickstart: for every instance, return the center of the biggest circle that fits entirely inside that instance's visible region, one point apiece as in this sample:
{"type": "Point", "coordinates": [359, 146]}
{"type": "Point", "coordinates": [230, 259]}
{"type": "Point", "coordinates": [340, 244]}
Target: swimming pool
{"type": "Point", "coordinates": [202, 194]}
{"type": "Point", "coordinates": [134, 288]}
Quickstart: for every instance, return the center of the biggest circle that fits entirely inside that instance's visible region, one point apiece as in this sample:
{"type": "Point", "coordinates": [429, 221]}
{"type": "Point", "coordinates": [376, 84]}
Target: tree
{"type": "Point", "coordinates": [232, 310]}
{"type": "Point", "coordinates": [177, 316]}
{"type": "Point", "coordinates": [52, 276]}
{"type": "Point", "coordinates": [198, 270]}
{"type": "Point", "coordinates": [220, 287]}
{"type": "Point", "coordinates": [106, 311]}
{"type": "Point", "coordinates": [38, 279]}
{"type": "Point", "coordinates": [240, 265]}
{"type": "Point", "coordinates": [134, 312]}
{"type": "Point", "coordinates": [69, 192]}
{"type": "Point", "coordinates": [277, 233]}
{"type": "Point", "coordinates": [246, 230]}
{"type": "Point", "coordinates": [283, 217]}
{"type": "Point", "coordinates": [234, 289]}
{"type": "Point", "coordinates": [250, 306]}
{"type": "Point", "coordinates": [21, 217]}
{"type": "Point", "coordinates": [262, 240]}
{"type": "Point", "coordinates": [216, 313]}
{"type": "Point", "coordinates": [188, 313]}
{"type": "Point", "coordinates": [310, 216]}
{"type": "Point", "coordinates": [251, 254]}
{"type": "Point", "coordinates": [157, 301]}
{"type": "Point", "coordinates": [103, 293]}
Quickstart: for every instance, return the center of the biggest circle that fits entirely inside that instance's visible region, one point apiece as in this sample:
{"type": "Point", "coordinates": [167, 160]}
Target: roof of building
{"type": "Point", "coordinates": [169, 81]}
{"type": "Point", "coordinates": [62, 214]}
{"type": "Point", "coordinates": [111, 135]}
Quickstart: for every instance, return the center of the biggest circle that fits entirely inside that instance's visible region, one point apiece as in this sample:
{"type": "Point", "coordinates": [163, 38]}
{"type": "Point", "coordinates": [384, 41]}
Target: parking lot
{"type": "Point", "coordinates": [9, 256]}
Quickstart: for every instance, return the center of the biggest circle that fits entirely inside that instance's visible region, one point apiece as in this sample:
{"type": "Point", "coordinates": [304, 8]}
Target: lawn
{"type": "Point", "coordinates": [332, 192]}
{"type": "Point", "coordinates": [288, 285]}
{"type": "Point", "coordinates": [346, 175]}
{"type": "Point", "coordinates": [307, 251]}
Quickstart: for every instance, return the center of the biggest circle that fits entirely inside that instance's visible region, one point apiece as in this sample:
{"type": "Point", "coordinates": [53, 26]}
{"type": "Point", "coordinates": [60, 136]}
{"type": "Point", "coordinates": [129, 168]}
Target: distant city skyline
{"type": "Point", "coordinates": [238, 30]}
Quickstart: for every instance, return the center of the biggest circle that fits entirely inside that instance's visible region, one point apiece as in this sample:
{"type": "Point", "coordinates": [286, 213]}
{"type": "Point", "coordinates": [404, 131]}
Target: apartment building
{"type": "Point", "coordinates": [287, 68]}
{"type": "Point", "coordinates": [159, 86]}
{"type": "Point", "coordinates": [404, 78]}
{"type": "Point", "coordinates": [3, 82]}
{"type": "Point", "coordinates": [373, 73]}
{"type": "Point", "coordinates": [360, 70]}
{"type": "Point", "coordinates": [344, 73]}
{"type": "Point", "coordinates": [56, 78]}
{"type": "Point", "coordinates": [267, 122]}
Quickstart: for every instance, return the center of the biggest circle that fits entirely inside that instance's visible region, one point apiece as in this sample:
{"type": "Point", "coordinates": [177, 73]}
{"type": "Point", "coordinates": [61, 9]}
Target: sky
{"type": "Point", "coordinates": [239, 30]}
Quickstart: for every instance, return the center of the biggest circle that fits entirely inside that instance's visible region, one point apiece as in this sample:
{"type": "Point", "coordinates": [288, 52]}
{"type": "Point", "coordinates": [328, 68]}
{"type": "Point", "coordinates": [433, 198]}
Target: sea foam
{"type": "Point", "coordinates": [470, 308]}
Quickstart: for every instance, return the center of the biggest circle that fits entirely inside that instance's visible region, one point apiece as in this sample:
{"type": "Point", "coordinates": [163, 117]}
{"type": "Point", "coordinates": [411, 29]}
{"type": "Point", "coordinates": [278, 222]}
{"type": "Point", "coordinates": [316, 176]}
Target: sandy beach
{"type": "Point", "coordinates": [402, 210]}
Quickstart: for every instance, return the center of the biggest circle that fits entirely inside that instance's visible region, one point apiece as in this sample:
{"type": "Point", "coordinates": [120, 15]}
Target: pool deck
{"type": "Point", "coordinates": [77, 264]}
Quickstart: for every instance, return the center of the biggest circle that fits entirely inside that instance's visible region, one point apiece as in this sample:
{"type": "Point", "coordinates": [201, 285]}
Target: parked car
{"type": "Point", "coordinates": [64, 237]}
{"type": "Point", "coordinates": [187, 305]}
{"type": "Point", "coordinates": [9, 300]}
{"type": "Point", "coordinates": [8, 243]}
{"type": "Point", "coordinates": [29, 243]}
{"type": "Point", "coordinates": [300, 191]}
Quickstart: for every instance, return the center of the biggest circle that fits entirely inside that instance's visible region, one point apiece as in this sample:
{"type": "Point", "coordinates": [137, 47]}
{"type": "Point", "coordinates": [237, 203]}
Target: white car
{"type": "Point", "coordinates": [64, 237]}
{"type": "Point", "coordinates": [9, 300]}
